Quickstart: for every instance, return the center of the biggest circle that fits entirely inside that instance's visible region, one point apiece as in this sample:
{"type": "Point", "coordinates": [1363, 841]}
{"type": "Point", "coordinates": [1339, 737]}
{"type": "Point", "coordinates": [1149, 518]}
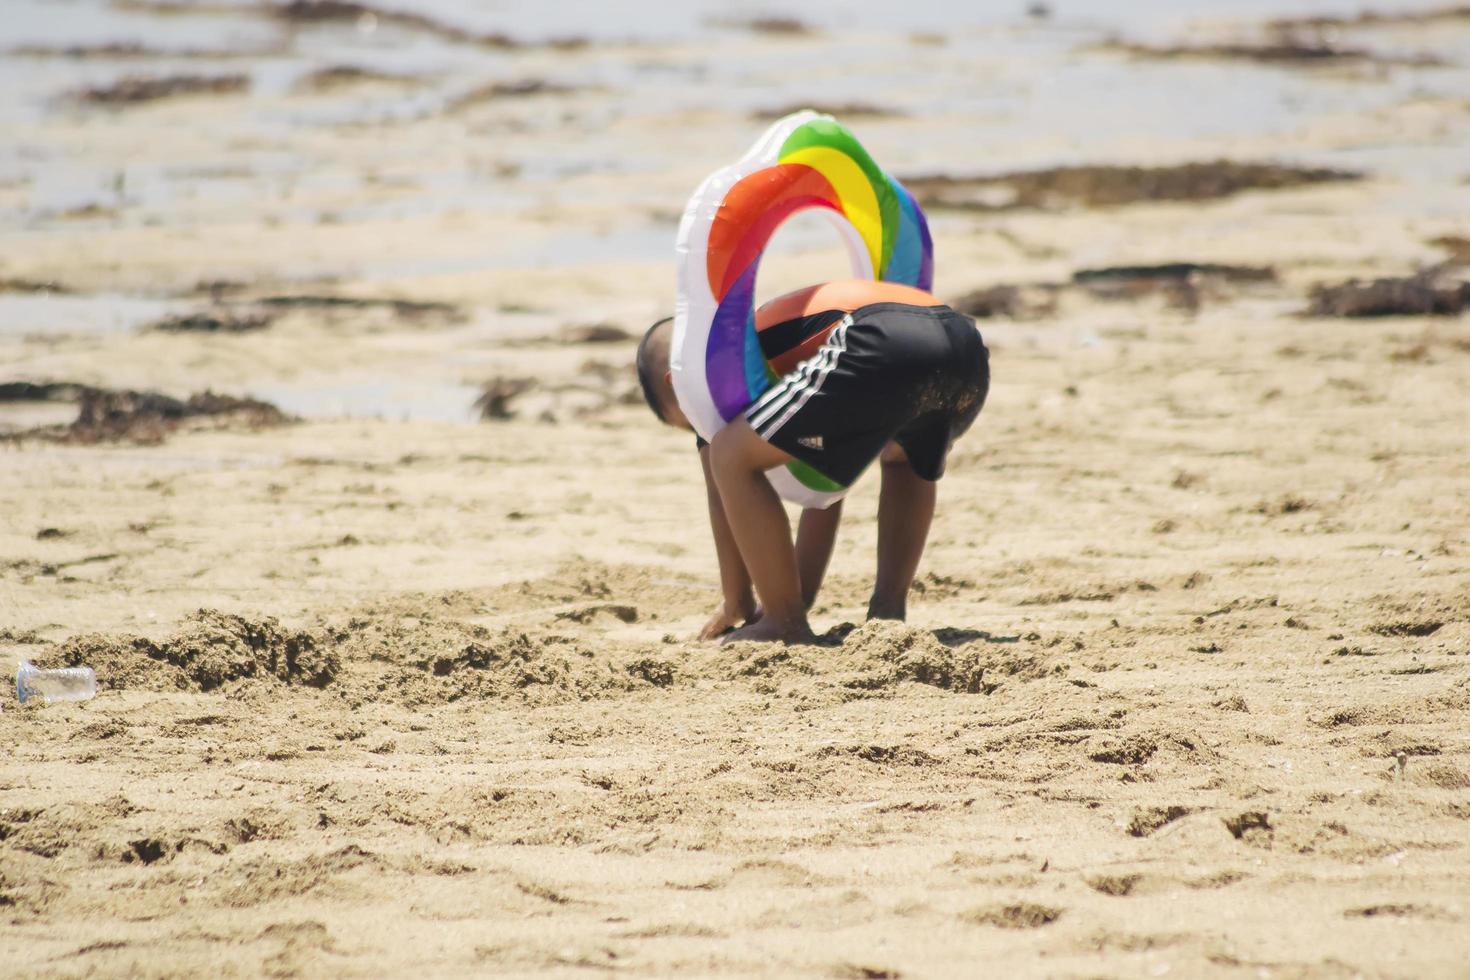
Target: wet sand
{"type": "Point", "coordinates": [385, 689]}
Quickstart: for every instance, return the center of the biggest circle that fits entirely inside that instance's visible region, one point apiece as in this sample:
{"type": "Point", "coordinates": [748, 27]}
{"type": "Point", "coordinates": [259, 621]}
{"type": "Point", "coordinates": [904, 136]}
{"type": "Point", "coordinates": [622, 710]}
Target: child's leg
{"type": "Point", "coordinates": [816, 533]}
{"type": "Point", "coordinates": [739, 459]}
{"type": "Point", "coordinates": [905, 510]}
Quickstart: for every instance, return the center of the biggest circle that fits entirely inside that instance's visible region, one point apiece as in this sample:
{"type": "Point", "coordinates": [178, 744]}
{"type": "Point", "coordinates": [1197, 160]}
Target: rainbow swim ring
{"type": "Point", "coordinates": [805, 160]}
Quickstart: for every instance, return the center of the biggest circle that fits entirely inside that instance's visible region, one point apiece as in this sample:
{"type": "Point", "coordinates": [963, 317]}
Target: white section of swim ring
{"type": "Point", "coordinates": [695, 305]}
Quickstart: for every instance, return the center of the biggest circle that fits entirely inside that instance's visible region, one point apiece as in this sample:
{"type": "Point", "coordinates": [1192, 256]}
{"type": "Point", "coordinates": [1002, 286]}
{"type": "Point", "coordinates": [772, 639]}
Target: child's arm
{"type": "Point", "coordinates": [815, 535]}
{"type": "Point", "coordinates": [905, 510]}
{"type": "Point", "coordinates": [739, 600]}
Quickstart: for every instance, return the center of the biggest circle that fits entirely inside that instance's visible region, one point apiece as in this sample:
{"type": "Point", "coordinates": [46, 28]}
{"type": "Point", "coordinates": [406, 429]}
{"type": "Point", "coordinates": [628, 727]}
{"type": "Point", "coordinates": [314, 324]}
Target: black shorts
{"type": "Point", "coordinates": [915, 375]}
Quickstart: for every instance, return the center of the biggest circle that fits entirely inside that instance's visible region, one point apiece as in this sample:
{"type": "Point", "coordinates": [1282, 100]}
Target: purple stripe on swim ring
{"type": "Point", "coordinates": [925, 280]}
{"type": "Point", "coordinates": [733, 364]}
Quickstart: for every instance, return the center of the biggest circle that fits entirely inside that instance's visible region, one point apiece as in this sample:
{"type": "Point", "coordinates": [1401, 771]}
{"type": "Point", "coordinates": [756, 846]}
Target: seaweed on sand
{"type": "Point", "coordinates": [770, 26]}
{"type": "Point", "coordinates": [1372, 18]}
{"type": "Point", "coordinates": [407, 308]}
{"type": "Point", "coordinates": [1286, 50]}
{"type": "Point", "coordinates": [841, 110]}
{"type": "Point", "coordinates": [363, 14]}
{"type": "Point", "coordinates": [1102, 185]}
{"type": "Point", "coordinates": [214, 321]}
{"type": "Point", "coordinates": [336, 77]}
{"type": "Point", "coordinates": [23, 285]}
{"type": "Point", "coordinates": [145, 417]}
{"type": "Point", "coordinates": [136, 89]}
{"type": "Point", "coordinates": [1184, 285]}
{"type": "Point", "coordinates": [521, 88]}
{"type": "Point", "coordinates": [1428, 292]}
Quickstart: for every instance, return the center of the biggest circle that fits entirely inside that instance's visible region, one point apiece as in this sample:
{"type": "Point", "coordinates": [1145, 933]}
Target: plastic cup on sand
{"type": "Point", "coordinates": [60, 684]}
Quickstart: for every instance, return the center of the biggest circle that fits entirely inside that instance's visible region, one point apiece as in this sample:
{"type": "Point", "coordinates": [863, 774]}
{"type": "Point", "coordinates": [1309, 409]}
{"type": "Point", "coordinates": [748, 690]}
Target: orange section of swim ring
{"type": "Point", "coordinates": [750, 213]}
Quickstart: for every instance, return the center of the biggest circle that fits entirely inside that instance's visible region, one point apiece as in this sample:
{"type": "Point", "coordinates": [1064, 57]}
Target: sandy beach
{"type": "Point", "coordinates": [393, 628]}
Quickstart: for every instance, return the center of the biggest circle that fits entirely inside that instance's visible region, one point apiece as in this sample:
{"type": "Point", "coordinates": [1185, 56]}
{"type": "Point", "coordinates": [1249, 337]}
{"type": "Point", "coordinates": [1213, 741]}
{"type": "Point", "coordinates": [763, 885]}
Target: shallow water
{"type": "Point", "coordinates": [999, 61]}
{"type": "Point", "coordinates": [43, 314]}
{"type": "Point", "coordinates": [1004, 90]}
{"type": "Point", "coordinates": [384, 399]}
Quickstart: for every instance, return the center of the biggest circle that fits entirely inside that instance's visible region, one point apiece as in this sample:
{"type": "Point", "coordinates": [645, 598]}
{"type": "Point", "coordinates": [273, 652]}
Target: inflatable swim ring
{"type": "Point", "coordinates": [805, 160]}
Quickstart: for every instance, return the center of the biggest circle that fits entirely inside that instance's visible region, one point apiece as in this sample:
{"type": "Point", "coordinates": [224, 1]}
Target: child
{"type": "Point", "coordinates": [885, 372]}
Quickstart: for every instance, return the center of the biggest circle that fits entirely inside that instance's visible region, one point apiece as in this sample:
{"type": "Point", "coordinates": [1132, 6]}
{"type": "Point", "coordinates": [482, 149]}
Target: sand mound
{"type": "Point", "coordinates": [436, 661]}
{"type": "Point", "coordinates": [1017, 915]}
{"type": "Point", "coordinates": [875, 657]}
{"type": "Point", "coordinates": [47, 831]}
{"type": "Point", "coordinates": [888, 653]}
{"type": "Point", "coordinates": [408, 655]}
{"type": "Point", "coordinates": [270, 880]}
{"type": "Point", "coordinates": [211, 650]}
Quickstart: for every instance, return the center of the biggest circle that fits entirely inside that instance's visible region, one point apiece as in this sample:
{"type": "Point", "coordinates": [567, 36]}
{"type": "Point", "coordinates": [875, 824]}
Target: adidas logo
{"type": "Point", "coordinates": [810, 442]}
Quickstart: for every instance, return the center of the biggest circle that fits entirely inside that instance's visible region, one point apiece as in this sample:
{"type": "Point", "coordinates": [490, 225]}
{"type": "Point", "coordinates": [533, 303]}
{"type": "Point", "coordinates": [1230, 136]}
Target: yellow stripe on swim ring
{"type": "Point", "coordinates": [855, 193]}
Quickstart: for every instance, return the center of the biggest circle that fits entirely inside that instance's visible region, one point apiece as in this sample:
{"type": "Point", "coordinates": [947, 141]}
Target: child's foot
{"type": "Point", "coordinates": [887, 609]}
{"type": "Point", "coordinates": [767, 631]}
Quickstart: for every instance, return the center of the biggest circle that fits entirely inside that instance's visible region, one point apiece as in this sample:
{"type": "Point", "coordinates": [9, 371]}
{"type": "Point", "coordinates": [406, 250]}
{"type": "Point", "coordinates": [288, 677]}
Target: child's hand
{"type": "Point", "coordinates": [727, 619]}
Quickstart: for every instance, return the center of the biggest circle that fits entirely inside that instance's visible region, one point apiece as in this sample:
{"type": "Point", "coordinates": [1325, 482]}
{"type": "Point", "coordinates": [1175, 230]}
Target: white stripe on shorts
{"type": "Point", "coordinates": [799, 386]}
{"type": "Point", "coordinates": [790, 386]}
{"type": "Point", "coordinates": [777, 406]}
{"type": "Point", "coordinates": [778, 396]}
{"type": "Point", "coordinates": [776, 391]}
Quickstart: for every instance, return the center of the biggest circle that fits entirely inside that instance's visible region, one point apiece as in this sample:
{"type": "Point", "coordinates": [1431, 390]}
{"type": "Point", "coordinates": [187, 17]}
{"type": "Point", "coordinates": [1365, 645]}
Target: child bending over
{"type": "Point", "coordinates": [882, 371]}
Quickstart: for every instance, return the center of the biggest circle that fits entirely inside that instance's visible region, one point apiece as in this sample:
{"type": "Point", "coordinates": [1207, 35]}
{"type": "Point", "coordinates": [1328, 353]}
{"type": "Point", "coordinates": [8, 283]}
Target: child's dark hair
{"type": "Point", "coordinates": [646, 371]}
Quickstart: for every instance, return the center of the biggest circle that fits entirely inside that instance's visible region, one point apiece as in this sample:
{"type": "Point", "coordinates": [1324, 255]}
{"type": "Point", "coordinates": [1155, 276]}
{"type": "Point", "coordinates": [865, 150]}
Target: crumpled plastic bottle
{"type": "Point", "coordinates": [58, 684]}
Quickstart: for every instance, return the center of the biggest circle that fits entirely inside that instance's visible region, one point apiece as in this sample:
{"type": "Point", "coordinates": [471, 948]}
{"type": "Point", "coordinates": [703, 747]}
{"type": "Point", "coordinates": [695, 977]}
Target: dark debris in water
{"type": "Point", "coordinates": [1109, 186]}
{"type": "Point", "coordinates": [494, 403]}
{"type": "Point", "coordinates": [109, 49]}
{"type": "Point", "coordinates": [1372, 18]}
{"type": "Point", "coordinates": [136, 89]}
{"type": "Point", "coordinates": [771, 26]}
{"type": "Point", "coordinates": [594, 333]}
{"type": "Point", "coordinates": [130, 51]}
{"type": "Point", "coordinates": [336, 77]}
{"type": "Point", "coordinates": [1174, 271]}
{"type": "Point", "coordinates": [1457, 247]}
{"type": "Point", "coordinates": [406, 308]}
{"type": "Point", "coordinates": [31, 391]}
{"type": "Point", "coordinates": [1183, 285]}
{"type": "Point", "coordinates": [371, 16]}
{"type": "Point", "coordinates": [841, 110]}
{"type": "Point", "coordinates": [20, 285]}
{"type": "Point", "coordinates": [141, 417]}
{"type": "Point", "coordinates": [518, 89]}
{"type": "Point", "coordinates": [1283, 51]}
{"type": "Point", "coordinates": [215, 321]}
{"type": "Point", "coordinates": [1429, 292]}
{"type": "Point", "coordinates": [241, 300]}
{"type": "Point", "coordinates": [597, 387]}
{"type": "Point", "coordinates": [1009, 302]}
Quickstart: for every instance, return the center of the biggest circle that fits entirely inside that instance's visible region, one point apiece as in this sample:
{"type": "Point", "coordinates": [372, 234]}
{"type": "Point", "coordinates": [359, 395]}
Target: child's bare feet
{"type": "Point", "coordinates": [728, 618]}
{"type": "Point", "coordinates": [768, 630]}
